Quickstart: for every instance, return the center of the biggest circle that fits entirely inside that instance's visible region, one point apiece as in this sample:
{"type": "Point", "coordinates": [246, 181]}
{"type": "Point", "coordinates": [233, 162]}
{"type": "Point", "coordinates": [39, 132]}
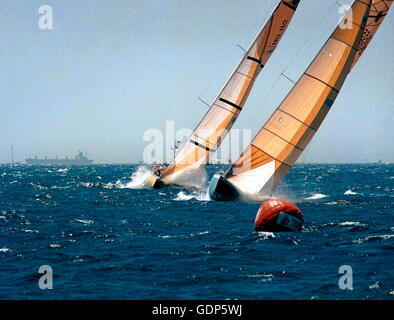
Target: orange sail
{"type": "Point", "coordinates": [378, 12]}
{"type": "Point", "coordinates": [219, 119]}
{"type": "Point", "coordinates": [286, 134]}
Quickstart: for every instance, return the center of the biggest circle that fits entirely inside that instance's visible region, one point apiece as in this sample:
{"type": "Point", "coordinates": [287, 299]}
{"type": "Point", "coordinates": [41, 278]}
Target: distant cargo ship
{"type": "Point", "coordinates": [79, 160]}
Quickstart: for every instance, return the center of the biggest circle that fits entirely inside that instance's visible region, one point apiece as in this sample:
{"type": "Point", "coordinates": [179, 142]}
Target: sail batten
{"type": "Point", "coordinates": [231, 99]}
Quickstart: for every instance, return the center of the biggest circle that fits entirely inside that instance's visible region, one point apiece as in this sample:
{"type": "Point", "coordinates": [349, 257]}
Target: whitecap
{"type": "Point", "coordinates": [31, 231]}
{"type": "Point", "coordinates": [382, 237]}
{"type": "Point", "coordinates": [350, 192]}
{"type": "Point", "coordinates": [331, 202]}
{"type": "Point", "coordinates": [138, 179]}
{"type": "Point", "coordinates": [181, 196]}
{"type": "Point", "coordinates": [87, 184]}
{"type": "Point", "coordinates": [376, 285]}
{"type": "Point", "coordinates": [262, 277]}
{"type": "Point", "coordinates": [352, 223]}
{"type": "Point", "coordinates": [199, 233]}
{"type": "Point", "coordinates": [63, 170]}
{"type": "Point", "coordinates": [54, 245]}
{"type": "Point", "coordinates": [165, 236]}
{"type": "Point", "coordinates": [4, 250]}
{"type": "Point", "coordinates": [266, 235]}
{"type": "Point", "coordinates": [202, 232]}
{"type": "Point", "coordinates": [316, 196]}
{"type": "Point", "coordinates": [84, 221]}
{"type": "Point", "coordinates": [200, 196]}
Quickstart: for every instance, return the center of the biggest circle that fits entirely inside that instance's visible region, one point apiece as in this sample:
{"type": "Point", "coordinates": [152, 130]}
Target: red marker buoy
{"type": "Point", "coordinates": [278, 215]}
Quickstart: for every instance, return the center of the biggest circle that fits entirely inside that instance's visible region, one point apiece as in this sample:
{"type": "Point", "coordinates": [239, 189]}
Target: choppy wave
{"type": "Point", "coordinates": [352, 223]}
{"type": "Point", "coordinates": [349, 192]}
{"type": "Point", "coordinates": [197, 195]}
{"type": "Point", "coordinates": [92, 226]}
{"type": "Point", "coordinates": [84, 221]}
{"type": "Point", "coordinates": [316, 196]}
{"type": "Point", "coordinates": [138, 179]}
{"type": "Point", "coordinates": [265, 235]}
{"type": "Point", "coordinates": [373, 238]}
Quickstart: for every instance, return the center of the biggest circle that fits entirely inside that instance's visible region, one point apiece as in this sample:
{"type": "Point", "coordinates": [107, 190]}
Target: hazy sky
{"type": "Point", "coordinates": [110, 70]}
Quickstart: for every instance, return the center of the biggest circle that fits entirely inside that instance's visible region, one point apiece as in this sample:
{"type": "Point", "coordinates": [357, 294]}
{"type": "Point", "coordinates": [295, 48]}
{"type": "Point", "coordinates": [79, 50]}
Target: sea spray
{"type": "Point", "coordinates": [316, 196]}
{"type": "Point", "coordinates": [197, 195]}
{"type": "Point", "coordinates": [138, 179]}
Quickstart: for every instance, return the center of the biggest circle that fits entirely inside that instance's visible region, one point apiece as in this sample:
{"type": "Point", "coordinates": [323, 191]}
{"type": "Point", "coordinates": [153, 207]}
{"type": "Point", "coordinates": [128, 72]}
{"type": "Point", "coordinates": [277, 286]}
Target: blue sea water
{"type": "Point", "coordinates": [106, 237]}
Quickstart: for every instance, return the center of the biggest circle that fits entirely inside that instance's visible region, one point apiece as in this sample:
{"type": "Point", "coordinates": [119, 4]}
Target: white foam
{"type": "Point", "coordinates": [262, 277]}
{"type": "Point", "coordinates": [331, 202]}
{"type": "Point", "coordinates": [352, 223]}
{"type": "Point", "coordinates": [84, 221]}
{"type": "Point", "coordinates": [63, 170]}
{"type": "Point", "coordinates": [4, 250]}
{"type": "Point", "coordinates": [181, 196]}
{"type": "Point", "coordinates": [266, 235]}
{"type": "Point", "coordinates": [138, 179]}
{"type": "Point", "coordinates": [31, 231]}
{"type": "Point", "coordinates": [316, 196]}
{"type": "Point", "coordinates": [383, 237]}
{"type": "Point", "coordinates": [375, 286]}
{"type": "Point", "coordinates": [350, 192]}
{"type": "Point", "coordinates": [200, 196]}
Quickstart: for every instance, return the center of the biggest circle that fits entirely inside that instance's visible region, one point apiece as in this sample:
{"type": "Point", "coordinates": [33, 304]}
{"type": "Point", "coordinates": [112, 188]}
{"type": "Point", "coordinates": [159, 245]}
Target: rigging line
{"type": "Point", "coordinates": [282, 74]}
{"type": "Point", "coordinates": [206, 103]}
{"type": "Point", "coordinates": [292, 59]}
{"type": "Point", "coordinates": [267, 96]}
{"type": "Point", "coordinates": [242, 48]}
{"type": "Point", "coordinates": [307, 40]}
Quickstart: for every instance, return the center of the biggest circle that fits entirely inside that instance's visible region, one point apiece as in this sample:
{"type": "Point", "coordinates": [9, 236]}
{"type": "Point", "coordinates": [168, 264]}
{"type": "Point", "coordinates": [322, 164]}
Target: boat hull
{"type": "Point", "coordinates": [220, 189]}
{"type": "Point", "coordinates": [153, 181]}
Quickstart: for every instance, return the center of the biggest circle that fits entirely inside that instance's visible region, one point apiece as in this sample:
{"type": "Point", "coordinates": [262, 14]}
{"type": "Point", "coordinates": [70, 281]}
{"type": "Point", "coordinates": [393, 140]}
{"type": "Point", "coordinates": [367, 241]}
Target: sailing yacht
{"type": "Point", "coordinates": [196, 152]}
{"type": "Point", "coordinates": [282, 139]}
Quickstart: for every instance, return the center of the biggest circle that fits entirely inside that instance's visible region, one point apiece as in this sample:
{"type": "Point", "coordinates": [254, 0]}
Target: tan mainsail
{"type": "Point", "coordinates": [287, 133]}
{"type": "Point", "coordinates": [221, 116]}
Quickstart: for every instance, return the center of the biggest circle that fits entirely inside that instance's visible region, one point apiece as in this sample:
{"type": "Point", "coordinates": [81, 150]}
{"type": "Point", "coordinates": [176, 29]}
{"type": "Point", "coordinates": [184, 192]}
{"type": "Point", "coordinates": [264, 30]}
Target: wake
{"type": "Point", "coordinates": [200, 196]}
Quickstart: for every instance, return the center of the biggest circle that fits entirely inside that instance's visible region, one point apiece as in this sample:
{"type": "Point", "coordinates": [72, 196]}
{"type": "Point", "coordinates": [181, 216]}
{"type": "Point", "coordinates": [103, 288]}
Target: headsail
{"type": "Point", "coordinates": [286, 134]}
{"type": "Point", "coordinates": [219, 119]}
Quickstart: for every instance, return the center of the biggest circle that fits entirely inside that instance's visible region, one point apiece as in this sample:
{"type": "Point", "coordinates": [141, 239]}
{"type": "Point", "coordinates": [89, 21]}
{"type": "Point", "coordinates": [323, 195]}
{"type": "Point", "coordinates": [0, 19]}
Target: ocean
{"type": "Point", "coordinates": [106, 237]}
